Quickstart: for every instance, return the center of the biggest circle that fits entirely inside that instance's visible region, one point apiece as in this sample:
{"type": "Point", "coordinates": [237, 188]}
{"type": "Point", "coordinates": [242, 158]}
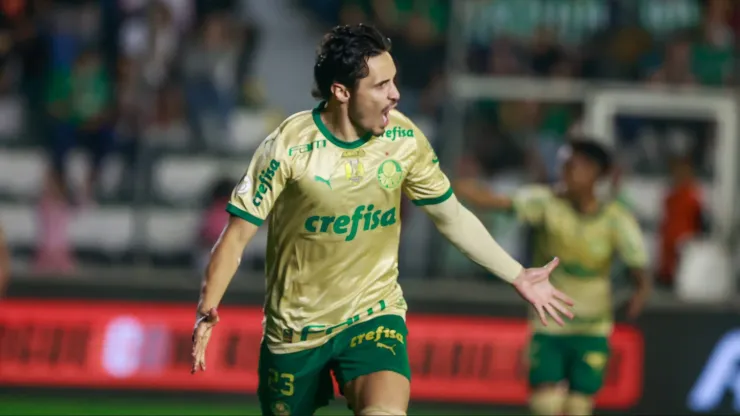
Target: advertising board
{"type": "Point", "coordinates": [132, 345]}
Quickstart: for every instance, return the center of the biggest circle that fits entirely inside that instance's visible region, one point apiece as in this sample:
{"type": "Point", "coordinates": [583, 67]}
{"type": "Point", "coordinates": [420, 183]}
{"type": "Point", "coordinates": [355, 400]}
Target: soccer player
{"type": "Point", "coordinates": [569, 221]}
{"type": "Point", "coordinates": [331, 180]}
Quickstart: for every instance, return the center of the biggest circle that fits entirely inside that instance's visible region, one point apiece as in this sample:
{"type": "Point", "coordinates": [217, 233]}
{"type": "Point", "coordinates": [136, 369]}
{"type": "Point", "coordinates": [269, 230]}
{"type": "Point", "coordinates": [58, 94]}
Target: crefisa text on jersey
{"type": "Point", "coordinates": [398, 132]}
{"type": "Point", "coordinates": [265, 182]}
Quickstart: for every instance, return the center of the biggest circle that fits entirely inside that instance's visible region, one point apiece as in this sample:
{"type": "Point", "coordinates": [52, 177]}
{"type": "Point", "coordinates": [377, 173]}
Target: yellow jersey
{"type": "Point", "coordinates": [586, 245]}
{"type": "Point", "coordinates": [334, 228]}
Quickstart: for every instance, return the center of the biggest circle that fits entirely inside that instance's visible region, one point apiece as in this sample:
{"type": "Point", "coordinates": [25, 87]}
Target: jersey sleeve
{"type": "Point", "coordinates": [530, 203]}
{"type": "Point", "coordinates": [629, 243]}
{"type": "Point", "coordinates": [426, 184]}
{"type": "Point", "coordinates": [254, 196]}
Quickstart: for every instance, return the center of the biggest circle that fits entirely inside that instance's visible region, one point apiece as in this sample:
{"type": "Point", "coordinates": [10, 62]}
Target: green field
{"type": "Point", "coordinates": [30, 404]}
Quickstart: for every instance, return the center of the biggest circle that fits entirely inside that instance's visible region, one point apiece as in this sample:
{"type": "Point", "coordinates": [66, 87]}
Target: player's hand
{"type": "Point", "coordinates": [201, 334]}
{"type": "Point", "coordinates": [535, 287]}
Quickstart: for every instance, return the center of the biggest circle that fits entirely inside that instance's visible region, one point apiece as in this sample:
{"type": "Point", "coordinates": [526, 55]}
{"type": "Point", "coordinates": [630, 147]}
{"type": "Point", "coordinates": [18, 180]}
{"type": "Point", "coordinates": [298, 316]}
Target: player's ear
{"type": "Point", "coordinates": [340, 92]}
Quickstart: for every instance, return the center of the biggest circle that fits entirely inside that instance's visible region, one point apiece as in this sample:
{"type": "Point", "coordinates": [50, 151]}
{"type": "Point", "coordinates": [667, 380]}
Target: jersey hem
{"type": "Point", "coordinates": [289, 348]}
{"type": "Point", "coordinates": [603, 328]}
{"type": "Point", "coordinates": [434, 201]}
{"type": "Point", "coordinates": [233, 210]}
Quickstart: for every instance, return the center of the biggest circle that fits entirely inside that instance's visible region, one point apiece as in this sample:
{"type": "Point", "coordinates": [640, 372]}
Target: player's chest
{"type": "Point", "coordinates": [572, 233]}
{"type": "Point", "coordinates": [374, 172]}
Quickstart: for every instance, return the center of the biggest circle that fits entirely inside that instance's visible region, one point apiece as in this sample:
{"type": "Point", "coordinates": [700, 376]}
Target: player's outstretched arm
{"type": "Point", "coordinates": [642, 289]}
{"type": "Point", "coordinates": [471, 237]}
{"type": "Point", "coordinates": [225, 258]}
{"type": "Point", "coordinates": [473, 192]}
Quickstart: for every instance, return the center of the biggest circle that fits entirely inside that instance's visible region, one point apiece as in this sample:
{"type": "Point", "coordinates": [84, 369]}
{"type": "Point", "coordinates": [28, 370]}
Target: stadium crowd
{"type": "Point", "coordinates": [132, 76]}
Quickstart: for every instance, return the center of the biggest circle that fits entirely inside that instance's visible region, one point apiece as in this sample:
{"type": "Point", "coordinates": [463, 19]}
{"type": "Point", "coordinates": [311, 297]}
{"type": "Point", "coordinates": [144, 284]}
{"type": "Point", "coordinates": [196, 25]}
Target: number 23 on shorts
{"type": "Point", "coordinates": [280, 382]}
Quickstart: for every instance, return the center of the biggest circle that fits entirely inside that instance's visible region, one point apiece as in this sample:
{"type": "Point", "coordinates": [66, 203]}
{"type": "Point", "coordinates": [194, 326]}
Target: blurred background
{"type": "Point", "coordinates": [124, 125]}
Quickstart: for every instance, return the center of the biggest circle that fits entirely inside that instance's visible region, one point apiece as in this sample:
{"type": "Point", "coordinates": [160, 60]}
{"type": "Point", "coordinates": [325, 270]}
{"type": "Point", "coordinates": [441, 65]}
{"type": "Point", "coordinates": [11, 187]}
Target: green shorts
{"type": "Point", "coordinates": [299, 383]}
{"type": "Point", "coordinates": [578, 359]}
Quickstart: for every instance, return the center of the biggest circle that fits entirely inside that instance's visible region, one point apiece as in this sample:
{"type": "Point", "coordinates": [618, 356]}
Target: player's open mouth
{"type": "Point", "coordinates": [386, 118]}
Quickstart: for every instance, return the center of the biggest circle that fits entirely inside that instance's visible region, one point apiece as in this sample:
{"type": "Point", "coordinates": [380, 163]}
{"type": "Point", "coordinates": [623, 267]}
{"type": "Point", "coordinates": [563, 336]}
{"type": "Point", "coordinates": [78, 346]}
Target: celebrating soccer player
{"type": "Point", "coordinates": [571, 222]}
{"type": "Point", "coordinates": [331, 181]}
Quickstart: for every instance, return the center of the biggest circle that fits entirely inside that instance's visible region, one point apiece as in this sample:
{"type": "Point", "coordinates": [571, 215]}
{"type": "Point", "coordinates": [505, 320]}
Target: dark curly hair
{"type": "Point", "coordinates": [594, 151]}
{"type": "Point", "coordinates": [343, 54]}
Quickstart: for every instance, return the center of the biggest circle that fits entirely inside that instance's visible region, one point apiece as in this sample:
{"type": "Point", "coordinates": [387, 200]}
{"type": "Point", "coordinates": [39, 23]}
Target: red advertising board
{"type": "Point", "coordinates": [147, 346]}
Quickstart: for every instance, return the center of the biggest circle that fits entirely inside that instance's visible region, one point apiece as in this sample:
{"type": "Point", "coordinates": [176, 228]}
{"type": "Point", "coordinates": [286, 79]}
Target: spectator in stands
{"type": "Point", "coordinates": [352, 13]}
{"type": "Point", "coordinates": [211, 80]}
{"type": "Point", "coordinates": [623, 51]}
{"type": "Point", "coordinates": [704, 55]}
{"type": "Point", "coordinates": [419, 53]}
{"type": "Point", "coordinates": [164, 38]}
{"type": "Point", "coordinates": [6, 61]}
{"type": "Point", "coordinates": [169, 127]}
{"type": "Point", "coordinates": [733, 18]}
{"type": "Point", "coordinates": [682, 217]}
{"type": "Point", "coordinates": [713, 52]}
{"type": "Point", "coordinates": [545, 52]}
{"type": "Point", "coordinates": [206, 8]}
{"type": "Point", "coordinates": [502, 58]}
{"type": "Point", "coordinates": [11, 20]}
{"type": "Point", "coordinates": [676, 65]}
{"type": "Point", "coordinates": [29, 26]}
{"type": "Point", "coordinates": [134, 108]}
{"type": "Point", "coordinates": [248, 32]}
{"type": "Point", "coordinates": [80, 104]}
{"type": "Point", "coordinates": [151, 38]}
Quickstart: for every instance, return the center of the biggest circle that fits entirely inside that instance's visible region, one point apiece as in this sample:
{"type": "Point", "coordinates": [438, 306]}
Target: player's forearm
{"type": "Point", "coordinates": [641, 280]}
{"type": "Point", "coordinates": [224, 262]}
{"type": "Point", "coordinates": [472, 192]}
{"type": "Point", "coordinates": [465, 231]}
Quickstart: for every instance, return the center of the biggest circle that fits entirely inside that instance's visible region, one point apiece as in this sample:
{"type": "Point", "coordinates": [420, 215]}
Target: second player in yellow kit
{"type": "Point", "coordinates": [586, 233]}
{"type": "Point", "coordinates": [330, 180]}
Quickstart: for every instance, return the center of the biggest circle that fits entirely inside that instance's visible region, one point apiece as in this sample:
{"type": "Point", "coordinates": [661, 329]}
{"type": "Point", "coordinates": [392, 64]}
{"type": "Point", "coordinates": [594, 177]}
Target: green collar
{"type": "Point", "coordinates": [325, 131]}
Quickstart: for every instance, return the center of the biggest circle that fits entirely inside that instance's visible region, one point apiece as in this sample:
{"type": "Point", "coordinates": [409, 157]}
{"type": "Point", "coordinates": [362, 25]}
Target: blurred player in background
{"type": "Point", "coordinates": [331, 181]}
{"type": "Point", "coordinates": [585, 232]}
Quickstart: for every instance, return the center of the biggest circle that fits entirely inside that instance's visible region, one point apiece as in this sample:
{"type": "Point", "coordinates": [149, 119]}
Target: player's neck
{"type": "Point", "coordinates": [585, 203]}
{"type": "Point", "coordinates": [336, 119]}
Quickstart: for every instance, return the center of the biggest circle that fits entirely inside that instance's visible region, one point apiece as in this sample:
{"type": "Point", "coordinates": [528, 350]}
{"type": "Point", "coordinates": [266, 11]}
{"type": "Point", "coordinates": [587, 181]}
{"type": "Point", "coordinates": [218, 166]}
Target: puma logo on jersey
{"type": "Point", "coordinates": [322, 180]}
{"type": "Point", "coordinates": [380, 334]}
{"type": "Point", "coordinates": [389, 348]}
{"type": "Point", "coordinates": [364, 218]}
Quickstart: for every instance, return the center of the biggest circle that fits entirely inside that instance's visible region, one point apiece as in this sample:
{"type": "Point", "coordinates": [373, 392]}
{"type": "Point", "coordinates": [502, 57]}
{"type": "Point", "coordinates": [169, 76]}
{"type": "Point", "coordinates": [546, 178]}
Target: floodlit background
{"type": "Point", "coordinates": [124, 124]}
